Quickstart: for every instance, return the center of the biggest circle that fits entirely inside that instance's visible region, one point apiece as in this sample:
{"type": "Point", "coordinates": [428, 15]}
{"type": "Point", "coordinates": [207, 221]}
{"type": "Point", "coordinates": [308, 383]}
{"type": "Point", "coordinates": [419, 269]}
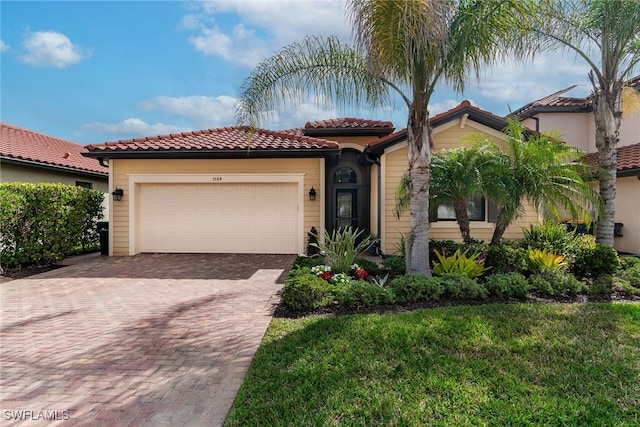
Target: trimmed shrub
{"type": "Point", "coordinates": [607, 284]}
{"type": "Point", "coordinates": [555, 283]}
{"type": "Point", "coordinates": [458, 286]}
{"type": "Point", "coordinates": [631, 275]}
{"type": "Point", "coordinates": [505, 258]}
{"type": "Point", "coordinates": [412, 288]}
{"type": "Point", "coordinates": [445, 247]}
{"type": "Point", "coordinates": [395, 264]}
{"type": "Point", "coordinates": [510, 285]}
{"type": "Point", "coordinates": [628, 261]}
{"type": "Point", "coordinates": [312, 242]}
{"type": "Point", "coordinates": [303, 261]}
{"type": "Point", "coordinates": [41, 223]}
{"type": "Point", "coordinates": [360, 293]}
{"type": "Point", "coordinates": [594, 262]}
{"type": "Point", "coordinates": [304, 290]}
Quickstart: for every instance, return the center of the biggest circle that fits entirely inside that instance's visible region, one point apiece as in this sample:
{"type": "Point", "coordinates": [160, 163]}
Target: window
{"type": "Point", "coordinates": [345, 175]}
{"type": "Point", "coordinates": [475, 210]}
{"type": "Point", "coordinates": [88, 185]}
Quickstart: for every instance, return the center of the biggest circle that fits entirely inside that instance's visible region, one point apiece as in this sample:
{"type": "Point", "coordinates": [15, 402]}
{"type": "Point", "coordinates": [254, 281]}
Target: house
{"type": "Point", "coordinates": [573, 117]}
{"type": "Point", "coordinates": [28, 156]}
{"type": "Point", "coordinates": [233, 190]}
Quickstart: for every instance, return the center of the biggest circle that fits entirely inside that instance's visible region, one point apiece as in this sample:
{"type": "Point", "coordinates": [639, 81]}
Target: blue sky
{"type": "Point", "coordinates": [97, 71]}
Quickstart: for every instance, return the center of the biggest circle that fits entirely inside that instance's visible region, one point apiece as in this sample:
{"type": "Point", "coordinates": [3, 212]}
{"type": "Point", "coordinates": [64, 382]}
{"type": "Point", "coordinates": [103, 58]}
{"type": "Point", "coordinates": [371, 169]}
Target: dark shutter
{"type": "Point", "coordinates": [433, 211]}
{"type": "Point", "coordinates": [492, 208]}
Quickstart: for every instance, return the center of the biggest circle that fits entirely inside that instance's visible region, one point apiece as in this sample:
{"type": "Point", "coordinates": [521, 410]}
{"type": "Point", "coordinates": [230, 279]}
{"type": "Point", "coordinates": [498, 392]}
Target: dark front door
{"type": "Point", "coordinates": [346, 208]}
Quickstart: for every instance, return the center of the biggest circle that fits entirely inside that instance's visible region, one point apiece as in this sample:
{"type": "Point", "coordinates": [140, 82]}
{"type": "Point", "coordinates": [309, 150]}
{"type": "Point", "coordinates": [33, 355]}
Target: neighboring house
{"type": "Point", "coordinates": [573, 118]}
{"type": "Point", "coordinates": [230, 190]}
{"type": "Point", "coordinates": [28, 156]}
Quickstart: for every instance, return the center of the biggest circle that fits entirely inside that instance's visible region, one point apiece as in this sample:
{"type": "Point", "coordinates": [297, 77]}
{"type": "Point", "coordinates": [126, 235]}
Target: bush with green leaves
{"type": "Point", "coordinates": [628, 261]}
{"type": "Point", "coordinates": [631, 275]}
{"type": "Point", "coordinates": [593, 262]}
{"type": "Point", "coordinates": [505, 258]}
{"type": "Point", "coordinates": [312, 242]}
{"type": "Point", "coordinates": [395, 264]}
{"type": "Point", "coordinates": [540, 259]}
{"type": "Point", "coordinates": [459, 286]}
{"type": "Point", "coordinates": [548, 236]}
{"type": "Point", "coordinates": [41, 223]}
{"type": "Point", "coordinates": [304, 290]}
{"type": "Point", "coordinates": [607, 284]}
{"type": "Point", "coordinates": [304, 261]}
{"type": "Point", "coordinates": [509, 285]}
{"type": "Point", "coordinates": [415, 287]}
{"type": "Point", "coordinates": [459, 263]}
{"type": "Point", "coordinates": [341, 248]}
{"type": "Point", "coordinates": [360, 293]}
{"type": "Point", "coordinates": [554, 283]}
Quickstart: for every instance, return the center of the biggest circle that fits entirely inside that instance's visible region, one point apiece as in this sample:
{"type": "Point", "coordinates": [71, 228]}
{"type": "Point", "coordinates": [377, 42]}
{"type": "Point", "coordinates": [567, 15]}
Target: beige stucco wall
{"type": "Point", "coordinates": [394, 163]}
{"type": "Point", "coordinates": [628, 213]}
{"type": "Point", "coordinates": [122, 168]}
{"type": "Point", "coordinates": [15, 173]}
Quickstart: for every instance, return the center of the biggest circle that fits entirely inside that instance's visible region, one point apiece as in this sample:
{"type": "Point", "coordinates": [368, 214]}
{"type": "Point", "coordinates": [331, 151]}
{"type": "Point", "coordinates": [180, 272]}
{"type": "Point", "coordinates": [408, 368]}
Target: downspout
{"type": "Point", "coordinates": [102, 163]}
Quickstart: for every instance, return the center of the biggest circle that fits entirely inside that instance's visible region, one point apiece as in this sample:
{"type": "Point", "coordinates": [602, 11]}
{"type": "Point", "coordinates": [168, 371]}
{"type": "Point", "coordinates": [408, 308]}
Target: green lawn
{"type": "Point", "coordinates": [519, 364]}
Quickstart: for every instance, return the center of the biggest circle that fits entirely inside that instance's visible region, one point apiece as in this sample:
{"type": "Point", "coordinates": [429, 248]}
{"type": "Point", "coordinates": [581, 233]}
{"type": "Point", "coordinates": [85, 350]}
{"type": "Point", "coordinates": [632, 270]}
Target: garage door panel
{"type": "Point", "coordinates": [225, 218]}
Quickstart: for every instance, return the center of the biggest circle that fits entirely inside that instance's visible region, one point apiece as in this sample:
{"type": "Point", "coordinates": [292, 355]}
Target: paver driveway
{"type": "Point", "coordinates": [145, 340]}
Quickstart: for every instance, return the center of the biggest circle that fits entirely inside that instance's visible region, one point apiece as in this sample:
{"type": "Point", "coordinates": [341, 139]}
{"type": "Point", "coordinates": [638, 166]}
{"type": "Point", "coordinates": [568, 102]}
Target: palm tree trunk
{"type": "Point", "coordinates": [502, 222]}
{"type": "Point", "coordinates": [607, 119]}
{"type": "Point", "coordinates": [419, 152]}
{"type": "Point", "coordinates": [462, 217]}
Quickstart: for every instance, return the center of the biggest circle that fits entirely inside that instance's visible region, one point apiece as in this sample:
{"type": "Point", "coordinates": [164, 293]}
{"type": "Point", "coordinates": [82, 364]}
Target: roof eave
{"type": "Point", "coordinates": [358, 131]}
{"type": "Point", "coordinates": [549, 109]}
{"type": "Point", "coordinates": [629, 172]}
{"type": "Point", "coordinates": [52, 167]}
{"type": "Point", "coordinates": [212, 154]}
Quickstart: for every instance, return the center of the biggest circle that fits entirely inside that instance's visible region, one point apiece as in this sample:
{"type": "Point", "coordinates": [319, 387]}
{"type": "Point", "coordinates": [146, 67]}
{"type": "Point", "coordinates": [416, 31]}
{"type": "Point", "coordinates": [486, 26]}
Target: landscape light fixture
{"type": "Point", "coordinates": [312, 194]}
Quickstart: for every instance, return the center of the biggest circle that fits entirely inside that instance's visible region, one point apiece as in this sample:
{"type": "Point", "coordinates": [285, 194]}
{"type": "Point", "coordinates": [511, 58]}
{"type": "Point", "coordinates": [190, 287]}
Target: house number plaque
{"type": "Point", "coordinates": [216, 179]}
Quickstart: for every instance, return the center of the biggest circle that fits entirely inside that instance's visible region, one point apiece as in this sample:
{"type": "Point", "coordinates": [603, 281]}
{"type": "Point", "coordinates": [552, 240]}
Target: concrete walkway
{"type": "Point", "coordinates": [147, 340]}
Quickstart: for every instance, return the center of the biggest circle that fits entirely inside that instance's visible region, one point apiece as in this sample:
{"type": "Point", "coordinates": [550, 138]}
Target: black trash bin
{"type": "Point", "coordinates": [103, 231]}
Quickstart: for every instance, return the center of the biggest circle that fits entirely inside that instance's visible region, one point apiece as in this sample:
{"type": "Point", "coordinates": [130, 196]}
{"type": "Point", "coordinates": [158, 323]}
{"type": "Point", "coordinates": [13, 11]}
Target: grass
{"type": "Point", "coordinates": [518, 364]}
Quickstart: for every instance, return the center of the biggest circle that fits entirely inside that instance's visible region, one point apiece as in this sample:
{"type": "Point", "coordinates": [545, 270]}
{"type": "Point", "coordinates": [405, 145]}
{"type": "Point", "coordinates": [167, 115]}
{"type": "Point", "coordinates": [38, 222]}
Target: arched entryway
{"type": "Point", "coordinates": [349, 190]}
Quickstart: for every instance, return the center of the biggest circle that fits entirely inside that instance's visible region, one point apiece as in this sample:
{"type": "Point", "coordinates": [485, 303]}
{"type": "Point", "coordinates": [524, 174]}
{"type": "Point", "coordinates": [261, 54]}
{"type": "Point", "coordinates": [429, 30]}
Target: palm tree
{"type": "Point", "coordinates": [406, 47]}
{"type": "Point", "coordinates": [455, 177]}
{"type": "Point", "coordinates": [540, 169]}
{"type": "Point", "coordinates": [605, 34]}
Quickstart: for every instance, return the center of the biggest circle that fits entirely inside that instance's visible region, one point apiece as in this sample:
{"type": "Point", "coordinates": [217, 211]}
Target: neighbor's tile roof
{"type": "Point", "coordinates": [22, 144]}
{"type": "Point", "coordinates": [340, 123]}
{"type": "Point", "coordinates": [553, 101]}
{"type": "Point", "coordinates": [347, 122]}
{"type": "Point", "coordinates": [222, 139]}
{"type": "Point", "coordinates": [628, 157]}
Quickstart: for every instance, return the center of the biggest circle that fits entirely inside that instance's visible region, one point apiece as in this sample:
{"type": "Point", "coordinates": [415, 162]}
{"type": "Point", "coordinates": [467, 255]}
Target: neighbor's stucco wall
{"type": "Point", "coordinates": [16, 173]}
{"type": "Point", "coordinates": [122, 168]}
{"type": "Point", "coordinates": [394, 163]}
{"type": "Point", "coordinates": [628, 213]}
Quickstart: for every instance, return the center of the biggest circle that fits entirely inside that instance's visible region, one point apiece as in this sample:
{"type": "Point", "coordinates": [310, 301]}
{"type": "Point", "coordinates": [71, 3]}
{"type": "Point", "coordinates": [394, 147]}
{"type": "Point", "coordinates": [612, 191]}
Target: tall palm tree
{"type": "Point", "coordinates": [540, 169]}
{"type": "Point", "coordinates": [605, 34]}
{"type": "Point", "coordinates": [406, 47]}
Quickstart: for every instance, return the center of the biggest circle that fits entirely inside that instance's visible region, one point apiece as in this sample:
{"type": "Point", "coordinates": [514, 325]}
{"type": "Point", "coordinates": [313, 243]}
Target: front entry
{"type": "Point", "coordinates": [348, 183]}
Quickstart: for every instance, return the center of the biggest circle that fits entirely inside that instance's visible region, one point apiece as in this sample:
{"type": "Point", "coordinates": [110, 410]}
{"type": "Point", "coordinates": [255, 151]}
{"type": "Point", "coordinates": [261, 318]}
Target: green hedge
{"type": "Point", "coordinates": [41, 223]}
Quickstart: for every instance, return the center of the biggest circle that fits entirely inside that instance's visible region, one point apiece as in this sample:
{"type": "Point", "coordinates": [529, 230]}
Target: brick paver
{"type": "Point", "coordinates": [147, 340]}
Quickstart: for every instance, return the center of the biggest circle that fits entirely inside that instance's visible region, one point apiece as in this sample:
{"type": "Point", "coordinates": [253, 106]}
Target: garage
{"type": "Point", "coordinates": [216, 217]}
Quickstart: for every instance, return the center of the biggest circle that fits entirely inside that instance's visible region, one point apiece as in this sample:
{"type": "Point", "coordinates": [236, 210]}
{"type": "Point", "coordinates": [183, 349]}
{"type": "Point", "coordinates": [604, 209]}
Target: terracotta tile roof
{"type": "Point", "coordinates": [25, 145]}
{"type": "Point", "coordinates": [465, 107]}
{"type": "Point", "coordinates": [229, 139]}
{"type": "Point", "coordinates": [628, 157]}
{"type": "Point", "coordinates": [347, 122]}
{"type": "Point", "coordinates": [554, 102]}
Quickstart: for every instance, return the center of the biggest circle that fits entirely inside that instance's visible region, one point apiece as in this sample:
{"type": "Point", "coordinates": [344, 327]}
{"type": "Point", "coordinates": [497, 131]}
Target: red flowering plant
{"type": "Point", "coordinates": [358, 272]}
{"type": "Point", "coordinates": [322, 271]}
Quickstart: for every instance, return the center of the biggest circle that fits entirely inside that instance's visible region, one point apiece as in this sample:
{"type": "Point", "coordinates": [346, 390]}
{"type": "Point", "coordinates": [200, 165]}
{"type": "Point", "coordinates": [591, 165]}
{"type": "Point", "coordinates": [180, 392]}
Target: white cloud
{"type": "Point", "coordinates": [519, 83]}
{"type": "Point", "coordinates": [133, 127]}
{"type": "Point", "coordinates": [204, 111]}
{"type": "Point", "coordinates": [264, 26]}
{"type": "Point", "coordinates": [4, 47]}
{"type": "Point", "coordinates": [442, 106]}
{"type": "Point", "coordinates": [51, 49]}
{"type": "Point", "coordinates": [241, 46]}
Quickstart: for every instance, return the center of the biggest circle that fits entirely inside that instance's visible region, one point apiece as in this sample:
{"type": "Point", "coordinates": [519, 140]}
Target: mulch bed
{"type": "Point", "coordinates": [20, 273]}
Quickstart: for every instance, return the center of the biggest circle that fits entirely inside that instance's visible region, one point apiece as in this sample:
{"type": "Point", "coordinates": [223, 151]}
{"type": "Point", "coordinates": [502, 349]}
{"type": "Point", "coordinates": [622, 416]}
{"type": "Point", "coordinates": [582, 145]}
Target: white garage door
{"type": "Point", "coordinates": [218, 218]}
